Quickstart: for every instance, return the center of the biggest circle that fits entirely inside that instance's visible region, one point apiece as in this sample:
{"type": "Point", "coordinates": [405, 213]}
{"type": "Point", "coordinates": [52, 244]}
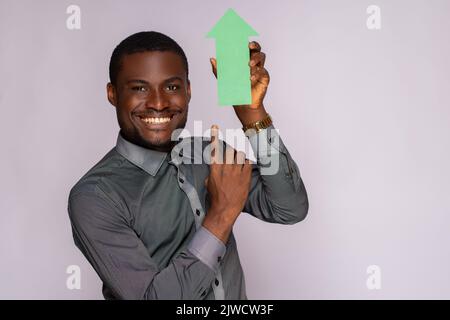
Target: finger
{"type": "Point", "coordinates": [229, 155]}
{"type": "Point", "coordinates": [240, 158]}
{"type": "Point", "coordinates": [215, 144]}
{"type": "Point", "coordinates": [254, 46]}
{"type": "Point", "coordinates": [260, 76]}
{"type": "Point", "coordinates": [257, 59]}
{"type": "Point", "coordinates": [247, 167]}
{"type": "Point", "coordinates": [206, 182]}
{"type": "Point", "coordinates": [213, 66]}
{"type": "Point", "coordinates": [247, 173]}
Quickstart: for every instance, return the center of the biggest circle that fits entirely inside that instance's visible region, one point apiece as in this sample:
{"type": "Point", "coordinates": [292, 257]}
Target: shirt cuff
{"type": "Point", "coordinates": [207, 248]}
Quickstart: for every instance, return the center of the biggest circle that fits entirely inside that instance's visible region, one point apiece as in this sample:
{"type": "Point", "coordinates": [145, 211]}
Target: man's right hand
{"type": "Point", "coordinates": [228, 185]}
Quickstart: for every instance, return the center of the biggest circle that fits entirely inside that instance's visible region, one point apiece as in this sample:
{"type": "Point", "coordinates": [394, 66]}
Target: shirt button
{"type": "Point", "coordinates": [203, 293]}
{"type": "Point", "coordinates": [219, 258]}
{"type": "Point", "coordinates": [181, 180]}
{"type": "Point", "coordinates": [216, 282]}
{"type": "Point", "coordinates": [197, 212]}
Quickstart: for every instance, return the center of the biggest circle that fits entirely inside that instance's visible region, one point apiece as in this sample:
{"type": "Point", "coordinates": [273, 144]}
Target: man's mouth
{"type": "Point", "coordinates": [156, 121]}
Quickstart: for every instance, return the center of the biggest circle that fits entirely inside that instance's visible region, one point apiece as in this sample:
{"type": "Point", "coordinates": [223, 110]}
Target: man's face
{"type": "Point", "coordinates": [151, 97]}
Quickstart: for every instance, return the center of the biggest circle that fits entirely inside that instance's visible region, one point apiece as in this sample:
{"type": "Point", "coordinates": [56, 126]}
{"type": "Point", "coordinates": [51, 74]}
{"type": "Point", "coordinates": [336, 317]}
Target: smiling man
{"type": "Point", "coordinates": [154, 227]}
{"type": "Point", "coordinates": [151, 92]}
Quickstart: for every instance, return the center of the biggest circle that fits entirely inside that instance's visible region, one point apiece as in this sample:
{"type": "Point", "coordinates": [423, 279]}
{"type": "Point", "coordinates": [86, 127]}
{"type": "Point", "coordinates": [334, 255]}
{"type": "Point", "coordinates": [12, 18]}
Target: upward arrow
{"type": "Point", "coordinates": [232, 54]}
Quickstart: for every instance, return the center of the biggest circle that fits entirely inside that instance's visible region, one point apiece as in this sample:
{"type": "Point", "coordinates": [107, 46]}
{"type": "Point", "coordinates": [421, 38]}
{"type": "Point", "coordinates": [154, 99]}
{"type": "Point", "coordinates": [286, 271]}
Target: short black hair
{"type": "Point", "coordinates": [141, 42]}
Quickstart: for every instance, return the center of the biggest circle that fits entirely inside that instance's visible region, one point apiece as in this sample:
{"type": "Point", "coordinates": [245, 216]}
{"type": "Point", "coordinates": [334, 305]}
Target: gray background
{"type": "Point", "coordinates": [364, 113]}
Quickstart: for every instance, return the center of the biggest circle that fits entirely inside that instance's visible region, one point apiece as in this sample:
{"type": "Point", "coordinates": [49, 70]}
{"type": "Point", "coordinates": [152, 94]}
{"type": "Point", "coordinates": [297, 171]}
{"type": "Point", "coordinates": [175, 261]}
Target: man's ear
{"type": "Point", "coordinates": [188, 90]}
{"type": "Point", "coordinates": [112, 94]}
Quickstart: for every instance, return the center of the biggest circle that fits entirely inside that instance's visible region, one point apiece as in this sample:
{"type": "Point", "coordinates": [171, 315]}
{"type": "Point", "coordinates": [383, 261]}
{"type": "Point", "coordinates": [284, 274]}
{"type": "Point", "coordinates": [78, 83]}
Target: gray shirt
{"type": "Point", "coordinates": [136, 216]}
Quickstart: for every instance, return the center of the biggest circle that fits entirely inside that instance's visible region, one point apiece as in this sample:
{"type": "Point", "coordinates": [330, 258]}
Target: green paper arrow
{"type": "Point", "coordinates": [232, 54]}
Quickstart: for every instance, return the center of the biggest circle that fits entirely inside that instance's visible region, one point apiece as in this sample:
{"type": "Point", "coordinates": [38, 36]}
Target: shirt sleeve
{"type": "Point", "coordinates": [277, 192]}
{"type": "Point", "coordinates": [105, 237]}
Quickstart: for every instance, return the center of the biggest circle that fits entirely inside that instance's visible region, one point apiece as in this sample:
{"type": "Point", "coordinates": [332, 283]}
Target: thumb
{"type": "Point", "coordinates": [214, 66]}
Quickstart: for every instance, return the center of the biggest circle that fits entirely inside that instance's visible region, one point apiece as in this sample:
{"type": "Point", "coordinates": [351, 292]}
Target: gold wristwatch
{"type": "Point", "coordinates": [259, 125]}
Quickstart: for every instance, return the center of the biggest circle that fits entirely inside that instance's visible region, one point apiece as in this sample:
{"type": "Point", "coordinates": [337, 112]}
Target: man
{"type": "Point", "coordinates": [154, 227]}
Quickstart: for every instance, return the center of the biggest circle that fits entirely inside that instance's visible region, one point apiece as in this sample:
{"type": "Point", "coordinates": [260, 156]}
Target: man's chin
{"type": "Point", "coordinates": [159, 144]}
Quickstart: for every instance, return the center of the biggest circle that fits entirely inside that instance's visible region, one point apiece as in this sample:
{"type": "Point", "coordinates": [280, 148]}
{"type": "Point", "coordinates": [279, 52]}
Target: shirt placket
{"type": "Point", "coordinates": [199, 215]}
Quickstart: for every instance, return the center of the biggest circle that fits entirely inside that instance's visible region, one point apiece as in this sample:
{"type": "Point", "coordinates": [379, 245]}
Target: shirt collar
{"type": "Point", "coordinates": [147, 159]}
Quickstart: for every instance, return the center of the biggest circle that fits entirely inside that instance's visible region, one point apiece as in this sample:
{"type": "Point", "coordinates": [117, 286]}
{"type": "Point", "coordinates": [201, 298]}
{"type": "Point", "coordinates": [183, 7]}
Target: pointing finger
{"type": "Point", "coordinates": [214, 144]}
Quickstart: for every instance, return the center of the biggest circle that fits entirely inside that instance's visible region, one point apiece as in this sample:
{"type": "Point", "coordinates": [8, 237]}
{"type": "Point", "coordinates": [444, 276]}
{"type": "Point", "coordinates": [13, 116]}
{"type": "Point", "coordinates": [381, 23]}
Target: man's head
{"type": "Point", "coordinates": [150, 88]}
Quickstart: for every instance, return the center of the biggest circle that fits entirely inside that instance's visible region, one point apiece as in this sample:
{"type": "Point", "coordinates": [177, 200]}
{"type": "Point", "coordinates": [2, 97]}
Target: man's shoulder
{"type": "Point", "coordinates": [100, 175]}
{"type": "Point", "coordinates": [99, 192]}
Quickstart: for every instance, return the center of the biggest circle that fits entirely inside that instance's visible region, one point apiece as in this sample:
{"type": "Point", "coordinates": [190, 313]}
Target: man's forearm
{"type": "Point", "coordinates": [277, 192]}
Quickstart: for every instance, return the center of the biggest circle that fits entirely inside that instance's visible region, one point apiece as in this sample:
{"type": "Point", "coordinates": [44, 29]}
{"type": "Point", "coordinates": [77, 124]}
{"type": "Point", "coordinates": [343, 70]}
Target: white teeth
{"type": "Point", "coordinates": [156, 120]}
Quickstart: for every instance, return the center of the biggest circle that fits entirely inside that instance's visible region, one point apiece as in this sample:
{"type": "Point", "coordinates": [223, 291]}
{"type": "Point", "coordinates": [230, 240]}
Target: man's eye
{"type": "Point", "coordinates": [172, 87]}
{"type": "Point", "coordinates": [139, 88]}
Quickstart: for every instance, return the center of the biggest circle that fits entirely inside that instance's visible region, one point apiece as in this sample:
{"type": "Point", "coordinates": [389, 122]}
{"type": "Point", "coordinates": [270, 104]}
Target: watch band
{"type": "Point", "coordinates": [259, 125]}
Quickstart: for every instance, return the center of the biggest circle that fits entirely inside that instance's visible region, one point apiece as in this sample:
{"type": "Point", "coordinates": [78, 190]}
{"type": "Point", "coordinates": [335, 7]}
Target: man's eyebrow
{"type": "Point", "coordinates": [137, 81]}
{"type": "Point", "coordinates": [173, 79]}
{"type": "Point", "coordinates": [146, 82]}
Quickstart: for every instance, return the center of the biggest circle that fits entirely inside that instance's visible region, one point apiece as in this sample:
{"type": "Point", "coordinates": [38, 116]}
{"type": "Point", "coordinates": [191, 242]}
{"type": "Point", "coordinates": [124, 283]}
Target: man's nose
{"type": "Point", "coordinates": [158, 100]}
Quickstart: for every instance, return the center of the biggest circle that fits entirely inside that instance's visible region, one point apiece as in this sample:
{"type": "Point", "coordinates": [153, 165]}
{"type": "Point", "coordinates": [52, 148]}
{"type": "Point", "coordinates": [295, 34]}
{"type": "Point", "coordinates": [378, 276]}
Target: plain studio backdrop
{"type": "Point", "coordinates": [364, 112]}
